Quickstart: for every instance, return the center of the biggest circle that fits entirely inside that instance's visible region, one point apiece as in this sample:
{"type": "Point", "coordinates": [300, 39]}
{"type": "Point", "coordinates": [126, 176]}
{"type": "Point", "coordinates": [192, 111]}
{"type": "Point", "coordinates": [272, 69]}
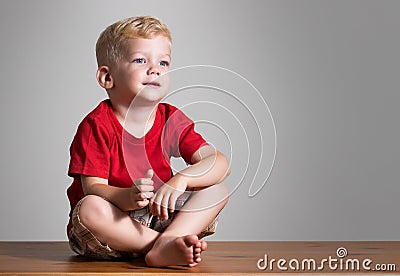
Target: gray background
{"type": "Point", "coordinates": [329, 71]}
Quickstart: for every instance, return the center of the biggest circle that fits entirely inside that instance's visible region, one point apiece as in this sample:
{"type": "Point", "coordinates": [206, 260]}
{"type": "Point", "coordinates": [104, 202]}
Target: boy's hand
{"type": "Point", "coordinates": [166, 196]}
{"type": "Point", "coordinates": [142, 190]}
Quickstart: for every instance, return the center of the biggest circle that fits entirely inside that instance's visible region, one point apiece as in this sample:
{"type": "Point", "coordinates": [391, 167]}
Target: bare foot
{"type": "Point", "coordinates": [170, 250]}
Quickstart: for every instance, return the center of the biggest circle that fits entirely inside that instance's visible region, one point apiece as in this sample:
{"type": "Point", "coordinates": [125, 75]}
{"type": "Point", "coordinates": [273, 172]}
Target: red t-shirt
{"type": "Point", "coordinates": [102, 148]}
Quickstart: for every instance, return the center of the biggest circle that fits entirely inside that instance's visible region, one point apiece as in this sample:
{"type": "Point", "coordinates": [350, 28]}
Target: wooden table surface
{"type": "Point", "coordinates": [55, 258]}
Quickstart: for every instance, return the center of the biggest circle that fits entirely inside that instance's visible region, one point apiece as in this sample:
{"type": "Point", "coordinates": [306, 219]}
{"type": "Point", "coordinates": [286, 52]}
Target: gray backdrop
{"type": "Point", "coordinates": [329, 71]}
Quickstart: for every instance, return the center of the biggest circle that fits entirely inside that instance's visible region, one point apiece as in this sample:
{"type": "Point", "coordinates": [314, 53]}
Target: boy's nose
{"type": "Point", "coordinates": [153, 70]}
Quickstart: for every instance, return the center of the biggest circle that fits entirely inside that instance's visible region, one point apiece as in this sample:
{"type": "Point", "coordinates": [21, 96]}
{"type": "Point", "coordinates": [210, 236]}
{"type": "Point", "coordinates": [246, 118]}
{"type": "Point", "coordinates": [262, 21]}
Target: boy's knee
{"type": "Point", "coordinates": [223, 192]}
{"type": "Point", "coordinates": [217, 194]}
{"type": "Point", "coordinates": [93, 210]}
{"type": "Point", "coordinates": [221, 189]}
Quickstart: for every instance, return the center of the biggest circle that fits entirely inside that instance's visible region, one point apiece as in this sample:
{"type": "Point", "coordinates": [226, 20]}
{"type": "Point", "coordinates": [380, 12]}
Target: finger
{"type": "Point", "coordinates": [172, 203]}
{"type": "Point", "coordinates": [164, 208]}
{"type": "Point", "coordinates": [149, 174]}
{"type": "Point", "coordinates": [143, 181]}
{"type": "Point", "coordinates": [157, 209]}
{"type": "Point", "coordinates": [145, 188]}
{"type": "Point", "coordinates": [151, 205]}
{"type": "Point", "coordinates": [142, 203]}
{"type": "Point", "coordinates": [149, 195]}
{"type": "Point", "coordinates": [146, 181]}
{"type": "Point", "coordinates": [145, 195]}
{"type": "Point", "coordinates": [155, 206]}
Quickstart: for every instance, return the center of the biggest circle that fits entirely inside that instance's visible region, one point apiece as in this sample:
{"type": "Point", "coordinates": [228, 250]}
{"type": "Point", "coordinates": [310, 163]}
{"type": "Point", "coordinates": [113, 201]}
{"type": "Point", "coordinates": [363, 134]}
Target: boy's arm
{"type": "Point", "coordinates": [209, 168]}
{"type": "Point", "coordinates": [125, 199]}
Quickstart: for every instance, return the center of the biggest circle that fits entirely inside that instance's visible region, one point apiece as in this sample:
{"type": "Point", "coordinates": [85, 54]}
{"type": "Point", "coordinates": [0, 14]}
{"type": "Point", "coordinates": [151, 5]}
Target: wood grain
{"type": "Point", "coordinates": [55, 258]}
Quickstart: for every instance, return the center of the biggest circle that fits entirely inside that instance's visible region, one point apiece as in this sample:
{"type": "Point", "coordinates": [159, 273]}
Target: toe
{"type": "Point", "coordinates": [197, 260]}
{"type": "Point", "coordinates": [203, 245]}
{"type": "Point", "coordinates": [191, 240]}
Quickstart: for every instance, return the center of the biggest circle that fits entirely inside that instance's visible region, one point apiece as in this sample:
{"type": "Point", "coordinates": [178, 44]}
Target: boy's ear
{"type": "Point", "coordinates": [104, 77]}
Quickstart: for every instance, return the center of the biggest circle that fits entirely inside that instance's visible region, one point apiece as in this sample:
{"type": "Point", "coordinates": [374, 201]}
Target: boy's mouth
{"type": "Point", "coordinates": [152, 83]}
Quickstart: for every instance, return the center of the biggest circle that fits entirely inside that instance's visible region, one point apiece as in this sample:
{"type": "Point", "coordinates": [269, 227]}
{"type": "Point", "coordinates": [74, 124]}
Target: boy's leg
{"type": "Point", "coordinates": [114, 227]}
{"type": "Point", "coordinates": [181, 235]}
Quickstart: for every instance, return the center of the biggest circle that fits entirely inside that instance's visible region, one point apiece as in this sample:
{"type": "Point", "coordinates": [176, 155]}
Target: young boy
{"type": "Point", "coordinates": [123, 196]}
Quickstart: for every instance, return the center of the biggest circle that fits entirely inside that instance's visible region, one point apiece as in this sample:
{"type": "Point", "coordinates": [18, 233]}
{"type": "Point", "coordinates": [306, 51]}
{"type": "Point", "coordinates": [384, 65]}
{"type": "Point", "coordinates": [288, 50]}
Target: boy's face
{"type": "Point", "coordinates": [145, 60]}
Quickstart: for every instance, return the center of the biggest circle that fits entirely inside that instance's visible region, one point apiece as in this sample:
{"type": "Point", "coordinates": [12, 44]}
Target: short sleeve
{"type": "Point", "coordinates": [181, 137]}
{"type": "Point", "coordinates": [90, 150]}
{"type": "Point", "coordinates": [189, 142]}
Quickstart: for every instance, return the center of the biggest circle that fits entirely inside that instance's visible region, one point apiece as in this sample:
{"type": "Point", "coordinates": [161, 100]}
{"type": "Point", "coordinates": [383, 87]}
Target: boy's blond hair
{"type": "Point", "coordinates": [110, 44]}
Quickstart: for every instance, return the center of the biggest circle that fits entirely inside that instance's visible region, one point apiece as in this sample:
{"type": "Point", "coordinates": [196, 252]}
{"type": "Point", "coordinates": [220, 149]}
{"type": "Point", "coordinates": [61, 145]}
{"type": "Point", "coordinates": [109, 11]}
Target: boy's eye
{"type": "Point", "coordinates": [164, 63]}
{"type": "Point", "coordinates": [139, 60]}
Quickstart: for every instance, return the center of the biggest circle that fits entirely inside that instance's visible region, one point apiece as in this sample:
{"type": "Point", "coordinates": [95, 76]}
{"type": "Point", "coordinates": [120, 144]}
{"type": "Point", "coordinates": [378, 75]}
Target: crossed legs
{"type": "Point", "coordinates": [177, 245]}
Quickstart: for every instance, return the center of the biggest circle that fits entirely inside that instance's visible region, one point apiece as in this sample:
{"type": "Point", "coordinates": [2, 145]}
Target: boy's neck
{"type": "Point", "coordinates": [137, 120]}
